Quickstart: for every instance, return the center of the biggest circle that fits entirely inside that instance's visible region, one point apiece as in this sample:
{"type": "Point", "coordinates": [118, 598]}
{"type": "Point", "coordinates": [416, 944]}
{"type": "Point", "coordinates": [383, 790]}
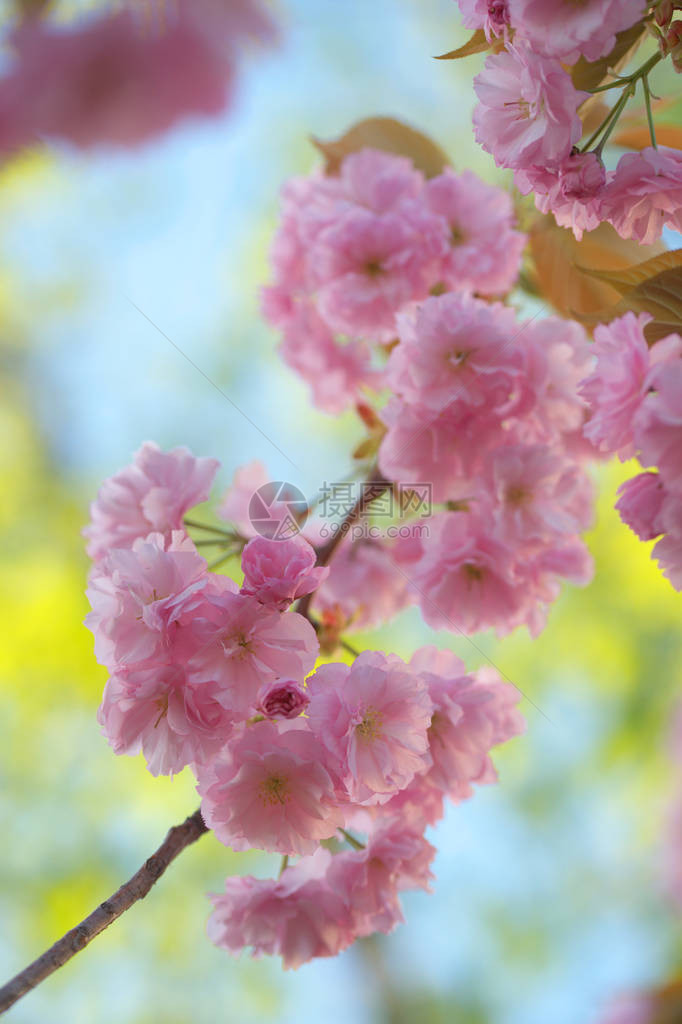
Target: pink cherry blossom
{"type": "Point", "coordinates": [394, 859]}
{"type": "Point", "coordinates": [276, 572]}
{"type": "Point", "coordinates": [490, 15]}
{"type": "Point", "coordinates": [368, 265]}
{"type": "Point", "coordinates": [566, 29]}
{"type": "Point", "coordinates": [640, 504]}
{"type": "Point", "coordinates": [423, 445]}
{"type": "Point", "coordinates": [455, 351]}
{"type": "Point", "coordinates": [365, 587]}
{"type": "Point", "coordinates": [138, 595]}
{"type": "Point", "coordinates": [527, 112]}
{"type": "Point", "coordinates": [107, 81]}
{"type": "Point", "coordinates": [373, 719]}
{"type": "Point", "coordinates": [472, 713]}
{"type": "Point", "coordinates": [573, 191]}
{"type": "Point", "coordinates": [234, 507]}
{"type": "Point", "coordinates": [298, 916]}
{"type": "Point", "coordinates": [237, 642]}
{"type": "Point", "coordinates": [308, 206]}
{"type": "Point", "coordinates": [150, 495]}
{"type": "Point", "coordinates": [337, 372]}
{"type": "Point", "coordinates": [538, 493]}
{"type": "Point", "coordinates": [668, 550]}
{"type": "Point", "coordinates": [271, 791]}
{"type": "Point", "coordinates": [556, 356]}
{"type": "Point", "coordinates": [418, 805]}
{"type": "Point", "coordinates": [485, 252]}
{"type": "Point", "coordinates": [645, 194]}
{"type": "Point", "coordinates": [379, 181]}
{"type": "Point", "coordinates": [283, 699]}
{"type": "Point", "coordinates": [658, 421]}
{"type": "Point", "coordinates": [154, 710]}
{"type": "Point", "coordinates": [467, 579]}
{"type": "Point", "coordinates": [616, 388]}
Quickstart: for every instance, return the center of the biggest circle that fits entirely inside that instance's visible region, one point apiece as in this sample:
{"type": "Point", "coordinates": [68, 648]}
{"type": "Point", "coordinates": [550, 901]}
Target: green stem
{"type": "Point", "coordinates": [609, 122]}
{"type": "Point", "coordinates": [355, 843]}
{"type": "Point", "coordinates": [649, 112]}
{"type": "Point", "coordinates": [209, 529]}
{"type": "Point", "coordinates": [641, 72]}
{"type": "Point", "coordinates": [223, 558]}
{"type": "Point", "coordinates": [618, 110]}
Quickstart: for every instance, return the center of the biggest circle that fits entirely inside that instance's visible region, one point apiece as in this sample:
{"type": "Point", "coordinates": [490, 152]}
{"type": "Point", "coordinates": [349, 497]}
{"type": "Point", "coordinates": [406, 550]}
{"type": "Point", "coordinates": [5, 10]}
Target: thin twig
{"type": "Point", "coordinates": [349, 647]}
{"type": "Point", "coordinates": [376, 485]}
{"type": "Point", "coordinates": [135, 889]}
{"type": "Point", "coordinates": [208, 528]}
{"type": "Point", "coordinates": [355, 843]}
{"type": "Point", "coordinates": [223, 558]}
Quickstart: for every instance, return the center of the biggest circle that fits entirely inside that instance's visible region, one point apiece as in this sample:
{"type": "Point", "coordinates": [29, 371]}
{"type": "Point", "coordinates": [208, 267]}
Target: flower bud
{"type": "Point", "coordinates": [674, 45]}
{"type": "Point", "coordinates": [582, 175]}
{"type": "Point", "coordinates": [284, 698]}
{"type": "Point", "coordinates": [663, 13]}
{"type": "Point", "coordinates": [498, 16]}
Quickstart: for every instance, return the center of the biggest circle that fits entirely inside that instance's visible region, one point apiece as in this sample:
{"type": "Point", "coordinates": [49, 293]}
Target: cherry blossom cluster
{"type": "Point", "coordinates": [635, 396]}
{"type": "Point", "coordinates": [481, 405]}
{"type": "Point", "coordinates": [342, 768]}
{"type": "Point", "coordinates": [123, 77]}
{"type": "Point", "coordinates": [356, 249]}
{"type": "Point", "coordinates": [530, 115]}
{"type": "Point", "coordinates": [486, 407]}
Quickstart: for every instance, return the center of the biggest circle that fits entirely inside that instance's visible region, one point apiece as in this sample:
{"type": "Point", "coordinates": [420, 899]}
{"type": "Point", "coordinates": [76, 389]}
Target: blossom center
{"type": "Point", "coordinates": [373, 268]}
{"type": "Point", "coordinates": [517, 494]}
{"type": "Point", "coordinates": [472, 572]}
{"type": "Point", "coordinates": [241, 645]}
{"type": "Point", "coordinates": [370, 726]}
{"type": "Point", "coordinates": [458, 357]}
{"type": "Point", "coordinates": [274, 790]}
{"type": "Point", "coordinates": [457, 236]}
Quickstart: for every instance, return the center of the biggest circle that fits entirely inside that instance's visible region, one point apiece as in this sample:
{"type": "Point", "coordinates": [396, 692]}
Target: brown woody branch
{"type": "Point", "coordinates": [374, 486]}
{"type": "Point", "coordinates": [135, 889]}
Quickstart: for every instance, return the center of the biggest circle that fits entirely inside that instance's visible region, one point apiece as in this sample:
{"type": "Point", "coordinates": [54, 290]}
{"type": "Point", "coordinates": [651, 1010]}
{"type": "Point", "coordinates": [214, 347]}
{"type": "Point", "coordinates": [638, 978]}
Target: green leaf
{"type": "Point", "coordinates": [477, 44]}
{"type": "Point", "coordinates": [653, 287]}
{"type": "Point", "coordinates": [389, 135]}
{"type": "Point", "coordinates": [588, 75]}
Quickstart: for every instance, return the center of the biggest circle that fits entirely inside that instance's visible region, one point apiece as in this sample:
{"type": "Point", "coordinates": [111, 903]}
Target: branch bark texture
{"type": "Point", "coordinates": [179, 837]}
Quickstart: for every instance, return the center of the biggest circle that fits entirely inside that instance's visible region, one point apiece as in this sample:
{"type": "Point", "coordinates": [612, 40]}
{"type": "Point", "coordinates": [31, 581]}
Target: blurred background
{"type": "Point", "coordinates": [548, 896]}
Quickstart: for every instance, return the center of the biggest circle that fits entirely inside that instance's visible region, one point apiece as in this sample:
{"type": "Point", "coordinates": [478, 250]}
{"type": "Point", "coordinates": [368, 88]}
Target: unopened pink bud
{"type": "Point", "coordinates": [582, 175]}
{"type": "Point", "coordinates": [674, 44]}
{"type": "Point", "coordinates": [284, 698]}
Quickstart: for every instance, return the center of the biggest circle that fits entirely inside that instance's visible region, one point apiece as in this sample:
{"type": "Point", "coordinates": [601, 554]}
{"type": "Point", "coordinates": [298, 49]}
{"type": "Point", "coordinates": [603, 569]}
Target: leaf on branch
{"type": "Point", "coordinates": [389, 135]}
{"type": "Point", "coordinates": [557, 258]}
{"type": "Point", "coordinates": [627, 279]}
{"type": "Point", "coordinates": [653, 287]}
{"type": "Point", "coordinates": [588, 75]}
{"type": "Point", "coordinates": [477, 44]}
{"type": "Point", "coordinates": [638, 136]}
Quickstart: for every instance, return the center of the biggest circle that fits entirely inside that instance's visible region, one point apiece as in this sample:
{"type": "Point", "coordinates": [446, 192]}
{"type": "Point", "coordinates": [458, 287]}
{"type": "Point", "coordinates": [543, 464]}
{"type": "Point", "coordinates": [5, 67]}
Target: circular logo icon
{"type": "Point", "coordinates": [278, 510]}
